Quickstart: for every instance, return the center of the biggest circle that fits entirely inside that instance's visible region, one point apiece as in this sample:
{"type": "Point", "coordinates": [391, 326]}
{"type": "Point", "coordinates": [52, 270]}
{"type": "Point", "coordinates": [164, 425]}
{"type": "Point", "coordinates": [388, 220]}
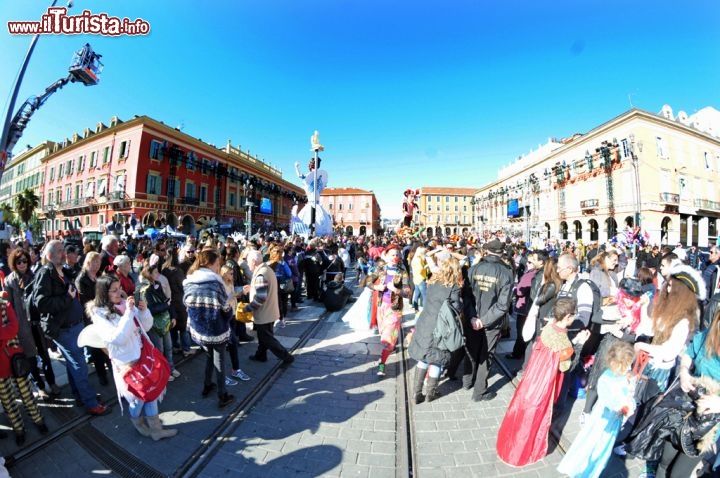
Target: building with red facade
{"type": "Point", "coordinates": [144, 170]}
{"type": "Point", "coordinates": [354, 211]}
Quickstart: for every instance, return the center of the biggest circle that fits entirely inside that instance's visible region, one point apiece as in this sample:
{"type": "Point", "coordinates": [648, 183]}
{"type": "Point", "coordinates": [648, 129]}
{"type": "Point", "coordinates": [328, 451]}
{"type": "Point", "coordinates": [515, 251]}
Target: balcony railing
{"type": "Point", "coordinates": [73, 203]}
{"type": "Point", "coordinates": [707, 204]}
{"type": "Point", "coordinates": [190, 201]}
{"type": "Point", "coordinates": [670, 198]}
{"type": "Point", "coordinates": [589, 204]}
{"type": "Point", "coordinates": [116, 196]}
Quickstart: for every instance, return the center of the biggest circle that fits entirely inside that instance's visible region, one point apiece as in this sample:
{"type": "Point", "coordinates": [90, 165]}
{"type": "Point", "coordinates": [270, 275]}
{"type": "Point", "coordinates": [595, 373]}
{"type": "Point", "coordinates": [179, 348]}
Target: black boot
{"type": "Point", "coordinates": [432, 389]}
{"type": "Point", "coordinates": [419, 379]}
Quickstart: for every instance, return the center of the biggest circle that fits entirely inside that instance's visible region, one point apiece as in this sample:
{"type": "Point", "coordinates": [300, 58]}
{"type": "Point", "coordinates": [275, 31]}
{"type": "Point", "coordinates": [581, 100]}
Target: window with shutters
{"type": "Point", "coordinates": [60, 170]}
{"type": "Point", "coordinates": [154, 184]}
{"type": "Point", "coordinates": [102, 187]}
{"type": "Point", "coordinates": [124, 150]}
{"type": "Point", "coordinates": [190, 189]}
{"type": "Point", "coordinates": [191, 162]}
{"type": "Point", "coordinates": [156, 150]}
{"type": "Point", "coordinates": [93, 159]}
{"type": "Point", "coordinates": [106, 155]}
{"type": "Point", "coordinates": [173, 187]}
{"type": "Point", "coordinates": [52, 174]}
{"type": "Point", "coordinates": [203, 193]}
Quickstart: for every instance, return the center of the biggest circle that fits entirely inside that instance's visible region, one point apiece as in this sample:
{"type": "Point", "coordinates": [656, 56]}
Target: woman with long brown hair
{"type": "Point", "coordinates": [602, 272]}
{"type": "Point", "coordinates": [675, 315]}
{"type": "Point", "coordinates": [18, 285]}
{"type": "Point", "coordinates": [667, 436]}
{"type": "Point", "coordinates": [542, 295]}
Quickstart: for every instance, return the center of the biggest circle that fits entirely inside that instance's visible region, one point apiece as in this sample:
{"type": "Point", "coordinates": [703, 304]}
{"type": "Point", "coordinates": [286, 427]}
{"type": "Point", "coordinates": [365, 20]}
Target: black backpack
{"type": "Point", "coordinates": [597, 313]}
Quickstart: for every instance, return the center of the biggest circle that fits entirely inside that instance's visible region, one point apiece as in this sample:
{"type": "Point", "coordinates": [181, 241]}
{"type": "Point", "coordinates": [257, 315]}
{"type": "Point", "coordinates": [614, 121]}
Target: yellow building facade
{"type": "Point", "coordinates": [446, 211]}
{"type": "Point", "coordinates": [656, 170]}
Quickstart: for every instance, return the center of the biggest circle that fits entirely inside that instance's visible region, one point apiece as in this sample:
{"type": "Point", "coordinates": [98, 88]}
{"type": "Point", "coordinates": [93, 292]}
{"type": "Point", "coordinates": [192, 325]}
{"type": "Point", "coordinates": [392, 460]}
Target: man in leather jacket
{"type": "Point", "coordinates": [490, 298]}
{"type": "Point", "coordinates": [59, 306]}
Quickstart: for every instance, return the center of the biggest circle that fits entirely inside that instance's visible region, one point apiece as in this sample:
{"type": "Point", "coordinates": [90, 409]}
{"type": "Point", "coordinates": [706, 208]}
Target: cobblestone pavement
{"type": "Point", "coordinates": [328, 414]}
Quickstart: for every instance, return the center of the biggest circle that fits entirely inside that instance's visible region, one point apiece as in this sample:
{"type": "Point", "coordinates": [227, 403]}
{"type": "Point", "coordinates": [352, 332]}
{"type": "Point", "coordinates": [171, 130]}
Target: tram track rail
{"type": "Point", "coordinates": [407, 464]}
{"type": "Point", "coordinates": [202, 456]}
{"type": "Point", "coordinates": [120, 461]}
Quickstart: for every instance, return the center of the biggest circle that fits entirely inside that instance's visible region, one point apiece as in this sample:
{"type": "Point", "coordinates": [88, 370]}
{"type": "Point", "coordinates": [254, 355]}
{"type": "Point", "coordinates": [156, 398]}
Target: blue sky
{"type": "Point", "coordinates": [404, 93]}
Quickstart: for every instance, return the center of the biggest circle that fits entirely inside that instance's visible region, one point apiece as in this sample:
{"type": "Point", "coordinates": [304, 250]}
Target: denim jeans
{"type": "Point", "coordinates": [75, 365]}
{"type": "Point", "coordinates": [419, 293]}
{"type": "Point", "coordinates": [232, 348]}
{"type": "Point", "coordinates": [181, 339]}
{"type": "Point", "coordinates": [433, 371]}
{"type": "Point", "coordinates": [215, 361]}
{"type": "Point", "coordinates": [137, 406]}
{"type": "Point", "coordinates": [163, 344]}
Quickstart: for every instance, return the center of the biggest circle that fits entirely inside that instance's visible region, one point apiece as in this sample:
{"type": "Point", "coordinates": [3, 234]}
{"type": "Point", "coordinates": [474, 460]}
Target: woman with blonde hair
{"type": "Point", "coordinates": [444, 285]}
{"type": "Point", "coordinates": [86, 284]}
{"type": "Point", "coordinates": [227, 274]}
{"type": "Point", "coordinates": [420, 273]}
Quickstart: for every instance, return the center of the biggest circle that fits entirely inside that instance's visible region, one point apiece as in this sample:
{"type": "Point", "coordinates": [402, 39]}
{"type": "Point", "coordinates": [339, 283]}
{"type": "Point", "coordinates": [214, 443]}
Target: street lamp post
{"type": "Point", "coordinates": [527, 211]}
{"type": "Point", "coordinates": [473, 203]}
{"type": "Point", "coordinates": [50, 214]}
{"type": "Point", "coordinates": [249, 205]}
{"type": "Point", "coordinates": [636, 167]}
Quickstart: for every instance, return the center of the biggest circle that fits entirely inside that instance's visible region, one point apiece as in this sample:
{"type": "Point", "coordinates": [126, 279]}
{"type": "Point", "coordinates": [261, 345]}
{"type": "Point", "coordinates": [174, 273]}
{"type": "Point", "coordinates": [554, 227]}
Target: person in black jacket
{"type": "Point", "coordinates": [444, 285]}
{"type": "Point", "coordinates": [336, 294]}
{"type": "Point", "coordinates": [490, 292]}
{"type": "Point", "coordinates": [313, 265]}
{"type": "Point", "coordinates": [56, 298]}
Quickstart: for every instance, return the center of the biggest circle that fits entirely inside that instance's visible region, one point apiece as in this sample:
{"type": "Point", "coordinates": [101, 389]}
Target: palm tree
{"type": "Point", "coordinates": [25, 204]}
{"type": "Point", "coordinates": [8, 215]}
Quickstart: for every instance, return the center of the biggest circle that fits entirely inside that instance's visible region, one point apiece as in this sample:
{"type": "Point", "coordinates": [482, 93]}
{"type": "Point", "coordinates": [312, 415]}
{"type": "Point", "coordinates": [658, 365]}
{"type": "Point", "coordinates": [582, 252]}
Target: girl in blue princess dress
{"type": "Point", "coordinates": [591, 449]}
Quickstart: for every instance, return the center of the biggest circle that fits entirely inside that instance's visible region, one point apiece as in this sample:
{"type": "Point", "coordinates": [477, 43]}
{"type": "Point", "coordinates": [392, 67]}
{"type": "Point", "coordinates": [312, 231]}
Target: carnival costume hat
{"type": "Point", "coordinates": [631, 286]}
{"type": "Point", "coordinates": [691, 278]}
{"type": "Point", "coordinates": [495, 246]}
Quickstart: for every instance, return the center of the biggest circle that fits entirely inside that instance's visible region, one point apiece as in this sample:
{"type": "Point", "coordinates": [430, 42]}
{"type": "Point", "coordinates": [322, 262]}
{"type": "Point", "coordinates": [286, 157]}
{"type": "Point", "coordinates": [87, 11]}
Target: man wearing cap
{"type": "Point", "coordinates": [488, 300]}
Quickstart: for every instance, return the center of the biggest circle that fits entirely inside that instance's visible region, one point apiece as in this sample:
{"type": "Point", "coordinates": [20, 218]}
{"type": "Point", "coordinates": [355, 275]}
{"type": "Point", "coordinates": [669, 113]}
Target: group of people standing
{"type": "Point", "coordinates": [643, 347]}
{"type": "Point", "coordinates": [95, 308]}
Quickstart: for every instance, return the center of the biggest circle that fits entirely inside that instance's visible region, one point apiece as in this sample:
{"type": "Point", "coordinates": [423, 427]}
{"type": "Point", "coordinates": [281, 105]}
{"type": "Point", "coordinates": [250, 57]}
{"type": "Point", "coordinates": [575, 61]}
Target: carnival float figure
{"type": "Point", "coordinates": [323, 220]}
{"type": "Point", "coordinates": [410, 206]}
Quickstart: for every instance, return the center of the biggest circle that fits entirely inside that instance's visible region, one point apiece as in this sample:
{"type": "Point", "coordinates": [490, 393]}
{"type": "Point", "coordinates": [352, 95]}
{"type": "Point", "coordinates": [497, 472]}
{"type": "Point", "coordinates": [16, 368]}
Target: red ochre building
{"type": "Point", "coordinates": [354, 211]}
{"type": "Point", "coordinates": [159, 175]}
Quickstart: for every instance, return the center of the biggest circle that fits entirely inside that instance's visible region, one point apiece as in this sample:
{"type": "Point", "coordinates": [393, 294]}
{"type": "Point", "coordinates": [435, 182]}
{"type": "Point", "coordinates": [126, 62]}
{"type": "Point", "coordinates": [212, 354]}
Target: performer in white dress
{"type": "Point", "coordinates": [323, 220]}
